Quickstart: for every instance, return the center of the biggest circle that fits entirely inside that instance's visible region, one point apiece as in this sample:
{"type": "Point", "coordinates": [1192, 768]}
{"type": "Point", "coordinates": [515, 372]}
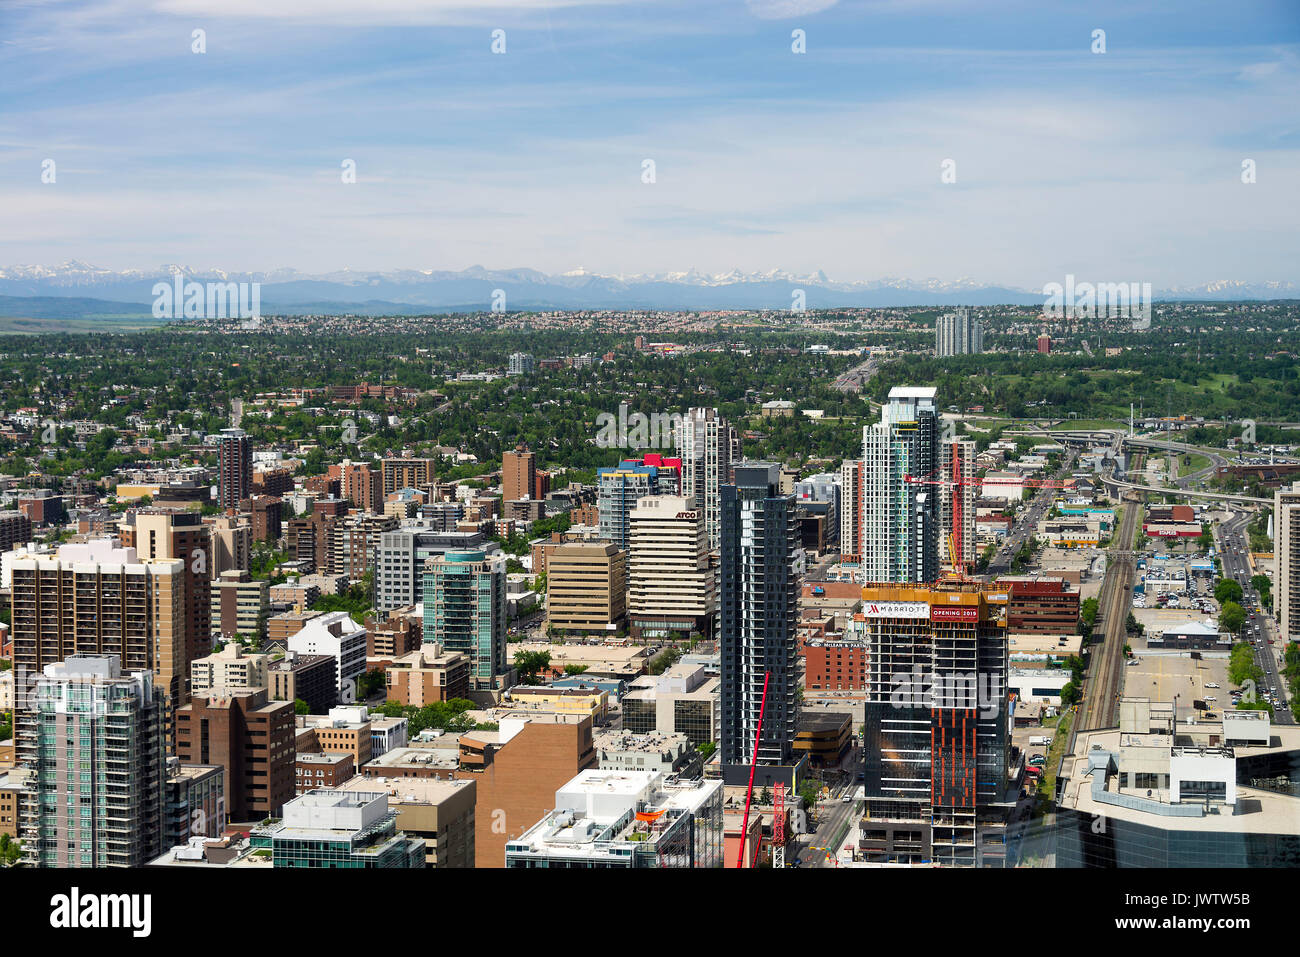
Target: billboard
{"type": "Point", "coordinates": [895, 609]}
{"type": "Point", "coordinates": [955, 613]}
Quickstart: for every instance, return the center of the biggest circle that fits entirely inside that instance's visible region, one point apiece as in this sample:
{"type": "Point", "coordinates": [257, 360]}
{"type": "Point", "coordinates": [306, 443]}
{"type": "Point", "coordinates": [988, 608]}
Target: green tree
{"type": "Point", "coordinates": [1231, 617]}
{"type": "Point", "coordinates": [301, 707]}
{"type": "Point", "coordinates": [530, 664]}
{"type": "Point", "coordinates": [1226, 590]}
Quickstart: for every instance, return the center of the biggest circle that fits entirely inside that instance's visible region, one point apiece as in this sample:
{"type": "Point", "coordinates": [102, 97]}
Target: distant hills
{"type": "Point", "coordinates": [79, 290]}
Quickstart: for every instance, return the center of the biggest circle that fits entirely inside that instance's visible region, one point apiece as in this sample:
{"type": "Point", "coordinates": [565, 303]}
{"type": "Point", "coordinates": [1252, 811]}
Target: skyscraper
{"type": "Point", "coordinates": [958, 334]}
{"type": "Point", "coordinates": [935, 729]}
{"type": "Point", "coordinates": [899, 519]}
{"type": "Point", "coordinates": [235, 468]}
{"type": "Point", "coordinates": [99, 735]}
{"type": "Point", "coordinates": [465, 611]}
{"type": "Point", "coordinates": [97, 598]}
{"type": "Point", "coordinates": [518, 475]}
{"type": "Point", "coordinates": [1286, 546]}
{"type": "Point", "coordinates": [757, 619]}
{"type": "Point", "coordinates": [617, 492]}
{"type": "Point", "coordinates": [705, 441]}
{"type": "Point", "coordinates": [671, 588]}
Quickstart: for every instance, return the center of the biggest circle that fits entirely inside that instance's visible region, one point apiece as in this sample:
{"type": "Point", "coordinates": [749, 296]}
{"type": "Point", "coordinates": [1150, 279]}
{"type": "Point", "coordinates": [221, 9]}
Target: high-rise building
{"type": "Point", "coordinates": [957, 492]}
{"type": "Point", "coordinates": [935, 731]}
{"type": "Point", "coordinates": [228, 671]}
{"type": "Point", "coordinates": [958, 334]}
{"type": "Point", "coordinates": [705, 442]}
{"type": "Point", "coordinates": [232, 545]}
{"type": "Point", "coordinates": [400, 558]}
{"type": "Point", "coordinates": [235, 468]}
{"type": "Point", "coordinates": [239, 606]}
{"type": "Point", "coordinates": [518, 475]}
{"type": "Point", "coordinates": [251, 737]}
{"type": "Point", "coordinates": [851, 485]}
{"type": "Point", "coordinates": [97, 598]}
{"type": "Point", "coordinates": [360, 484]}
{"type": "Point", "coordinates": [175, 533]}
{"type": "Point", "coordinates": [400, 473]}
{"type": "Point", "coordinates": [671, 586]}
{"type": "Point", "coordinates": [353, 540]}
{"type": "Point", "coordinates": [1286, 548]}
{"type": "Point", "coordinates": [101, 736]}
{"type": "Point", "coordinates": [465, 611]}
{"type": "Point", "coordinates": [617, 492]}
{"type": "Point", "coordinates": [520, 363]}
{"type": "Point", "coordinates": [899, 518]}
{"type": "Point", "coordinates": [758, 601]}
{"type": "Point", "coordinates": [586, 585]}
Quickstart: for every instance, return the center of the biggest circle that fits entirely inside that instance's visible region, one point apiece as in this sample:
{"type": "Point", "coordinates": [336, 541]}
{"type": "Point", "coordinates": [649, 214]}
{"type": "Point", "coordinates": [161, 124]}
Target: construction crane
{"type": "Point", "coordinates": [778, 826]}
{"type": "Point", "coordinates": [960, 480]}
{"type": "Point", "coordinates": [753, 761]}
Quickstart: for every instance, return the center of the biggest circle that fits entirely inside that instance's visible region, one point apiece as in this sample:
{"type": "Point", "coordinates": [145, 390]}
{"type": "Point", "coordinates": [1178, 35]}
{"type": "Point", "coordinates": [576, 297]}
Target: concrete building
{"type": "Point", "coordinates": [400, 473]}
{"type": "Point", "coordinates": [625, 819]}
{"type": "Point", "coordinates": [228, 671]}
{"type": "Point", "coordinates": [1178, 793]}
{"type": "Point", "coordinates": [618, 490]}
{"type": "Point", "coordinates": [196, 802]}
{"type": "Point", "coordinates": [239, 605]}
{"type": "Point", "coordinates": [672, 588]}
{"type": "Point", "coordinates": [958, 333]}
{"type": "Point", "coordinates": [427, 676]}
{"type": "Point", "coordinates": [519, 478]}
{"type": "Point", "coordinates": [440, 813]}
{"type": "Point", "coordinates": [88, 714]}
{"type": "Point", "coordinates": [252, 738]}
{"type": "Point", "coordinates": [339, 828]}
{"type": "Point", "coordinates": [234, 468]}
{"type": "Point", "coordinates": [307, 678]}
{"type": "Point", "coordinates": [182, 535]}
{"type": "Point", "coordinates": [520, 363]}
{"type": "Point", "coordinates": [685, 699]}
{"type": "Point", "coordinates": [399, 563]}
{"type": "Point", "coordinates": [98, 598]}
{"type": "Point", "coordinates": [232, 545]}
{"type": "Point", "coordinates": [517, 770]}
{"type": "Point", "coordinates": [705, 442]}
{"type": "Point", "coordinates": [1286, 546]}
{"type": "Point", "coordinates": [653, 752]}
{"type": "Point", "coordinates": [586, 588]}
{"type": "Point", "coordinates": [337, 635]}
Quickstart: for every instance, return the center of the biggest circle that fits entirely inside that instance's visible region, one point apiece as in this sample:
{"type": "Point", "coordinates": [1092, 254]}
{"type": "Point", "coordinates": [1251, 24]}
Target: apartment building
{"type": "Point", "coordinates": [586, 588]}
{"type": "Point", "coordinates": [465, 611]}
{"type": "Point", "coordinates": [672, 588]}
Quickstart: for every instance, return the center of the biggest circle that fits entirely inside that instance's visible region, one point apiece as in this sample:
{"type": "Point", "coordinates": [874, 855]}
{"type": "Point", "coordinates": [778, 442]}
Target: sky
{"type": "Point", "coordinates": [1115, 166]}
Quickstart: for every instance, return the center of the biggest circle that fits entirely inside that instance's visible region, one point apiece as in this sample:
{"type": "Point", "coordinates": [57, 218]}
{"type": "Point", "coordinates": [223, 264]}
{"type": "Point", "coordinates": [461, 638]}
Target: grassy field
{"type": "Point", "coordinates": [20, 325]}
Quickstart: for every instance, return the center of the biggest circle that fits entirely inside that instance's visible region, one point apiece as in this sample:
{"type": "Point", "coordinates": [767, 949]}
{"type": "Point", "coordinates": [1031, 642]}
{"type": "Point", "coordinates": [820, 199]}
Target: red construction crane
{"type": "Point", "coordinates": [753, 761]}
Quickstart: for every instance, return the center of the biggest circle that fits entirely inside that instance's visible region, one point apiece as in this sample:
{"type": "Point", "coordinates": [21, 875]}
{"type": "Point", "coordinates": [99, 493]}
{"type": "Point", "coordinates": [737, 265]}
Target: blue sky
{"type": "Point", "coordinates": [1122, 166]}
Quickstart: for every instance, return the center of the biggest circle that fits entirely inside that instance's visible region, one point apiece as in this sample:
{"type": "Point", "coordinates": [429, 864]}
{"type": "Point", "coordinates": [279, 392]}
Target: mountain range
{"type": "Point", "coordinates": [79, 289]}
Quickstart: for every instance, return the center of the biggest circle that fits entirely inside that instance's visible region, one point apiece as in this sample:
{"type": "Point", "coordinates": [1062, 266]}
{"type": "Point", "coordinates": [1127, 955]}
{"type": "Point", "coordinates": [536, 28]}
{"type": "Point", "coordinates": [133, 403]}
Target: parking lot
{"type": "Point", "coordinates": [1160, 677]}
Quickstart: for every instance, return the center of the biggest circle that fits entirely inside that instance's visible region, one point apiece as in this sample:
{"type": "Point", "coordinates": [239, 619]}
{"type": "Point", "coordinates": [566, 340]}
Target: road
{"type": "Point", "coordinates": [1260, 628]}
{"type": "Point", "coordinates": [835, 818]}
{"type": "Point", "coordinates": [1027, 524]}
{"type": "Point", "coordinates": [1101, 685]}
{"type": "Point", "coordinates": [857, 377]}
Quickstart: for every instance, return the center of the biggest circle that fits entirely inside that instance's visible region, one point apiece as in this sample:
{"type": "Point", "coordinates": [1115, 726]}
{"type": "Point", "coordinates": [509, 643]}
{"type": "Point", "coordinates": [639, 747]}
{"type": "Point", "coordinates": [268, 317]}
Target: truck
{"type": "Point", "coordinates": [1039, 741]}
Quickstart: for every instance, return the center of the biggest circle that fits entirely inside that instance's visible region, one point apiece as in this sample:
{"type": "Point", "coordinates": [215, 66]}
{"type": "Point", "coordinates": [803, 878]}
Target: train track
{"type": "Point", "coordinates": [1106, 669]}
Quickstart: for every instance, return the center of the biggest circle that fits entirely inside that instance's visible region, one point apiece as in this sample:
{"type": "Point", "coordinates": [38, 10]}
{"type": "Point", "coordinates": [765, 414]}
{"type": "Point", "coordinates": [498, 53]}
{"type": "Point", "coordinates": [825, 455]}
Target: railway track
{"type": "Point", "coordinates": [1101, 687]}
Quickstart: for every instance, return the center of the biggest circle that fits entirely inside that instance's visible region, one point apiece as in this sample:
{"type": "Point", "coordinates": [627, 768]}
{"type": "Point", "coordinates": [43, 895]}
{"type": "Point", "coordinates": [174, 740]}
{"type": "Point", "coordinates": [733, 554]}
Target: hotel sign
{"type": "Point", "coordinates": [896, 609]}
{"type": "Point", "coordinates": [955, 613]}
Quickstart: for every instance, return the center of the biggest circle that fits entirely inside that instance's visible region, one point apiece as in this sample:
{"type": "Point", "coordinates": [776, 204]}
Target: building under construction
{"type": "Point", "coordinates": [936, 784]}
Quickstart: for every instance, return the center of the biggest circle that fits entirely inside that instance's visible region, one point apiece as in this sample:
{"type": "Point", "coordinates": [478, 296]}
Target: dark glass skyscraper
{"type": "Point", "coordinates": [758, 599]}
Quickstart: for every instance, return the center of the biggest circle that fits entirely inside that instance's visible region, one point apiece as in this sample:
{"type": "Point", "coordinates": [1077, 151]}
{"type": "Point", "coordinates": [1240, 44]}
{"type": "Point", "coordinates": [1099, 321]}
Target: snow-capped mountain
{"type": "Point", "coordinates": [413, 290]}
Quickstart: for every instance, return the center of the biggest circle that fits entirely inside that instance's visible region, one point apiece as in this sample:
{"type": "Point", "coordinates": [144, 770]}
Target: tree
{"type": "Point", "coordinates": [301, 707]}
{"type": "Point", "coordinates": [371, 683]}
{"type": "Point", "coordinates": [1088, 611]}
{"type": "Point", "coordinates": [530, 664]}
{"type": "Point", "coordinates": [11, 851]}
{"type": "Point", "coordinates": [1231, 617]}
{"type": "Point", "coordinates": [574, 669]}
{"type": "Point", "coordinates": [1226, 590]}
{"type": "Point", "coordinates": [1070, 694]}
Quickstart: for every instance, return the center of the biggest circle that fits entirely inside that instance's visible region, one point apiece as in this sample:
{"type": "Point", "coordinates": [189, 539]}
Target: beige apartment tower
{"type": "Point", "coordinates": [1286, 552]}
